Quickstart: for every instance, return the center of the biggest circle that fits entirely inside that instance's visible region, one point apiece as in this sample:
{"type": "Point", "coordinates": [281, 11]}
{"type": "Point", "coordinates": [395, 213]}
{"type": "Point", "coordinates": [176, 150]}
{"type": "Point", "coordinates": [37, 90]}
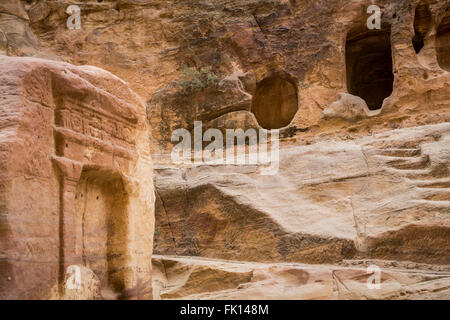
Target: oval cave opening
{"type": "Point", "coordinates": [443, 43]}
{"type": "Point", "coordinates": [422, 23]}
{"type": "Point", "coordinates": [275, 101]}
{"type": "Point", "coordinates": [369, 65]}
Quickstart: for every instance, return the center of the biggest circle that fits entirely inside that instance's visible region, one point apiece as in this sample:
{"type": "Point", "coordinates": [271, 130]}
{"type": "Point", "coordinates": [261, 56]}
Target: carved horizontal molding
{"type": "Point", "coordinates": [97, 143]}
{"type": "Point", "coordinates": [126, 115]}
{"type": "Point", "coordinates": [71, 169]}
{"type": "Point", "coordinates": [95, 125]}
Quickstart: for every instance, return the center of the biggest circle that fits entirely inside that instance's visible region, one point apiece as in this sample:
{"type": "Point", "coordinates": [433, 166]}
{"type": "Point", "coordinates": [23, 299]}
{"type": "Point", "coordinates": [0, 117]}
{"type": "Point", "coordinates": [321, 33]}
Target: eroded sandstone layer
{"type": "Point", "coordinates": [200, 278]}
{"type": "Point", "coordinates": [364, 151]}
{"type": "Point", "coordinates": [385, 196]}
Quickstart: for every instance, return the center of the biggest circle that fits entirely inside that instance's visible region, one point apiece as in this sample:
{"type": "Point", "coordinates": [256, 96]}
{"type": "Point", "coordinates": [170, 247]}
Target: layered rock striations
{"type": "Point", "coordinates": [76, 183]}
{"type": "Point", "coordinates": [363, 173]}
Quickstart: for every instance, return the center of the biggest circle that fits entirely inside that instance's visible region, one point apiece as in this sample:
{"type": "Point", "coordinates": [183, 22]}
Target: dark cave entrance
{"type": "Point", "coordinates": [275, 101]}
{"type": "Point", "coordinates": [422, 23]}
{"type": "Point", "coordinates": [102, 203]}
{"type": "Point", "coordinates": [443, 43]}
{"type": "Point", "coordinates": [369, 65]}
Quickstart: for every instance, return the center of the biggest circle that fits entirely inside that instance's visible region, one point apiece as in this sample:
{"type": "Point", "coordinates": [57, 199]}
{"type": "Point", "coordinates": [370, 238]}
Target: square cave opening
{"type": "Point", "coordinates": [443, 43]}
{"type": "Point", "coordinates": [102, 204]}
{"type": "Point", "coordinates": [369, 65]}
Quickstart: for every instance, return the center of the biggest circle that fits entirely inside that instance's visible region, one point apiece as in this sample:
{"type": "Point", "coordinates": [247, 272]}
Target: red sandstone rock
{"type": "Point", "coordinates": [364, 162]}
{"type": "Point", "coordinates": [76, 182]}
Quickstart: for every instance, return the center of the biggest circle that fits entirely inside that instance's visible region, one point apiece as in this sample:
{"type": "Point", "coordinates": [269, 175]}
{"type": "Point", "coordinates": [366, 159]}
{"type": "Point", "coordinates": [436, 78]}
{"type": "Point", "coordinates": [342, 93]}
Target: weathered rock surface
{"type": "Point", "coordinates": [386, 196]}
{"type": "Point", "coordinates": [81, 283]}
{"type": "Point", "coordinates": [157, 45]}
{"type": "Point", "coordinates": [16, 36]}
{"type": "Point", "coordinates": [364, 170]}
{"type": "Point", "coordinates": [348, 107]}
{"type": "Point", "coordinates": [196, 278]}
{"type": "Point", "coordinates": [76, 179]}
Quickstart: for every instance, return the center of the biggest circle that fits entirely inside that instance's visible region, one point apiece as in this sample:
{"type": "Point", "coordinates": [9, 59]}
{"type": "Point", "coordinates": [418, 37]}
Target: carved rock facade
{"type": "Point", "coordinates": [76, 179]}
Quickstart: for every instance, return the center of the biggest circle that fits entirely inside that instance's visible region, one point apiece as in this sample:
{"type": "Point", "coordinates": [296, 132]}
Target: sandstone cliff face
{"type": "Point", "coordinates": [319, 48]}
{"type": "Point", "coordinates": [200, 278]}
{"type": "Point", "coordinates": [364, 149]}
{"type": "Point", "coordinates": [384, 196]}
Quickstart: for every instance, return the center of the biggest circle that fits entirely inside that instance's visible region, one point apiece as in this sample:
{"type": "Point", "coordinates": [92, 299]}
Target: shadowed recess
{"type": "Point", "coordinates": [275, 102]}
{"type": "Point", "coordinates": [443, 43]}
{"type": "Point", "coordinates": [422, 23]}
{"type": "Point", "coordinates": [369, 65]}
